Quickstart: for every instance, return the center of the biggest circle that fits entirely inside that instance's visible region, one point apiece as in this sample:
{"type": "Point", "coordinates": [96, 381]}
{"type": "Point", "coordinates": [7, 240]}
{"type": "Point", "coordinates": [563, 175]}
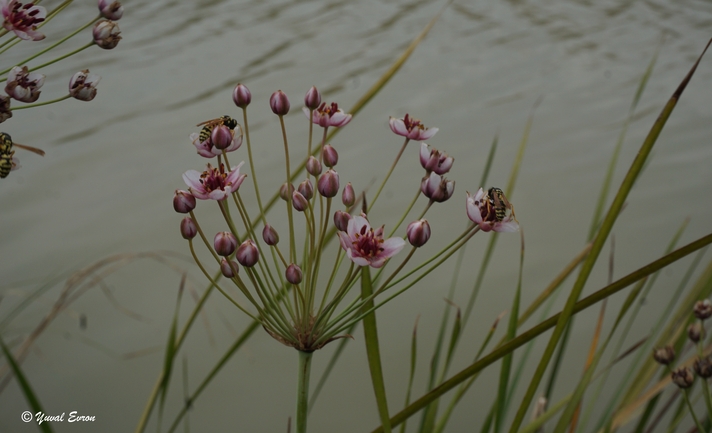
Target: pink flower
{"type": "Point", "coordinates": [106, 34]}
{"type": "Point", "coordinates": [208, 150]}
{"type": "Point", "coordinates": [23, 19]}
{"type": "Point", "coordinates": [111, 10]}
{"type": "Point", "coordinates": [82, 85]}
{"type": "Point", "coordinates": [365, 246]}
{"type": "Point", "coordinates": [434, 160]}
{"type": "Point", "coordinates": [437, 188]}
{"type": "Point", "coordinates": [23, 85]}
{"type": "Point", "coordinates": [411, 128]}
{"type": "Point", "coordinates": [491, 211]}
{"type": "Point", "coordinates": [214, 183]}
{"type": "Point", "coordinates": [328, 115]}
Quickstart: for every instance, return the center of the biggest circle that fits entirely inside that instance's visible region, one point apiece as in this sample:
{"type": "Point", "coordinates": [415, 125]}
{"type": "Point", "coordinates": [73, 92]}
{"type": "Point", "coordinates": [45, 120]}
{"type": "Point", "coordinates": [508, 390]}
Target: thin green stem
{"type": "Point", "coordinates": [39, 104]}
{"type": "Point", "coordinates": [303, 390]}
{"type": "Point", "coordinates": [692, 411]}
{"type": "Point", "coordinates": [62, 57]}
{"type": "Point", "coordinates": [292, 248]}
{"type": "Point", "coordinates": [393, 166]}
{"type": "Point", "coordinates": [405, 214]}
{"type": "Point", "coordinates": [252, 166]}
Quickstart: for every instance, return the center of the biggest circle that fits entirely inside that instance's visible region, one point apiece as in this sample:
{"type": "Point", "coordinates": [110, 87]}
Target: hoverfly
{"type": "Point", "coordinates": [7, 151]}
{"type": "Point", "coordinates": [210, 124]}
{"type": "Point", "coordinates": [499, 202]}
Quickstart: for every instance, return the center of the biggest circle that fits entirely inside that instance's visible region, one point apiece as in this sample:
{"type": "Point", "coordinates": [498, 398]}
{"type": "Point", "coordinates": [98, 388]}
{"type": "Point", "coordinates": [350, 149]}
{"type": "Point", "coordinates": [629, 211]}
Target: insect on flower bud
{"type": "Point", "coordinates": [348, 197]}
{"type": "Point", "coordinates": [683, 377]}
{"type": "Point", "coordinates": [341, 220]}
{"type": "Point", "coordinates": [293, 274]}
{"type": "Point", "coordinates": [313, 166]}
{"type": "Point", "coordinates": [106, 34]}
{"type": "Point", "coordinates": [664, 355]}
{"type": "Point", "coordinates": [286, 191]}
{"type": "Point", "coordinates": [270, 235]}
{"type": "Point", "coordinates": [225, 243]}
{"type": "Point", "coordinates": [328, 184]}
{"type": "Point", "coordinates": [111, 10]}
{"type": "Point", "coordinates": [694, 331]}
{"type": "Point", "coordinates": [312, 99]}
{"type": "Point", "coordinates": [418, 233]}
{"type": "Point", "coordinates": [331, 157]}
{"type": "Point", "coordinates": [187, 228]}
{"type": "Point", "coordinates": [241, 96]}
{"type": "Point", "coordinates": [703, 367]}
{"type": "Point", "coordinates": [306, 189]}
{"type": "Point", "coordinates": [703, 309]}
{"type": "Point", "coordinates": [183, 201]}
{"type": "Point", "coordinates": [279, 103]}
{"type": "Point", "coordinates": [228, 268]}
{"type": "Point", "coordinates": [247, 254]}
{"type": "Point", "coordinates": [299, 202]}
{"type": "Point", "coordinates": [221, 136]}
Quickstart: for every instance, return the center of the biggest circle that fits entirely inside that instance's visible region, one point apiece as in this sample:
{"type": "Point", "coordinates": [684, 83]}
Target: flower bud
{"type": "Point", "coordinates": [299, 202]}
{"type": "Point", "coordinates": [703, 367]}
{"type": "Point", "coordinates": [279, 103]}
{"type": "Point", "coordinates": [111, 10]}
{"type": "Point", "coordinates": [418, 233]}
{"type": "Point", "coordinates": [221, 137]}
{"type": "Point", "coordinates": [228, 268]}
{"type": "Point", "coordinates": [247, 254]}
{"type": "Point", "coordinates": [5, 111]}
{"type": "Point", "coordinates": [694, 331]}
{"type": "Point", "coordinates": [341, 220]}
{"type": "Point", "coordinates": [106, 34]}
{"type": "Point", "coordinates": [664, 355]}
{"type": "Point", "coordinates": [306, 189]}
{"type": "Point", "coordinates": [312, 98]}
{"type": "Point", "coordinates": [437, 188]}
{"type": "Point", "coordinates": [313, 166]}
{"type": "Point", "coordinates": [286, 191]}
{"type": "Point", "coordinates": [225, 243]}
{"type": "Point", "coordinates": [241, 96]}
{"type": "Point", "coordinates": [187, 228]}
{"type": "Point", "coordinates": [293, 274]}
{"type": "Point", "coordinates": [703, 309]}
{"type": "Point", "coordinates": [82, 85]}
{"type": "Point", "coordinates": [434, 160]}
{"type": "Point", "coordinates": [683, 377]}
{"type": "Point", "coordinates": [183, 201]}
{"type": "Point", "coordinates": [331, 157]}
{"type": "Point", "coordinates": [270, 236]}
{"type": "Point", "coordinates": [348, 197]}
{"type": "Point", "coordinates": [328, 184]}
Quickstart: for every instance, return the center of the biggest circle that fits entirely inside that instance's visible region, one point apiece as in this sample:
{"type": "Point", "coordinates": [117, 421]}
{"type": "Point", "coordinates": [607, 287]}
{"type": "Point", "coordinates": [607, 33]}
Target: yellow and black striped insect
{"type": "Point", "coordinates": [7, 152]}
{"type": "Point", "coordinates": [210, 124]}
{"type": "Point", "coordinates": [499, 202]}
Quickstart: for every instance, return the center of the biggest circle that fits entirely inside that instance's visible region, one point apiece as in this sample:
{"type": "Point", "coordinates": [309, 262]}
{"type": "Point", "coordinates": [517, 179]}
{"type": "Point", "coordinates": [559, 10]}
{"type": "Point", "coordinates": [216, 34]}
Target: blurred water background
{"type": "Point", "coordinates": [106, 183]}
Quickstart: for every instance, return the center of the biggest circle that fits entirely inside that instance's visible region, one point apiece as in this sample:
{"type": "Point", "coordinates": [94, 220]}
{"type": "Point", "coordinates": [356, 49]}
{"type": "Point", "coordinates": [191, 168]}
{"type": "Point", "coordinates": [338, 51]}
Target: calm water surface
{"type": "Point", "coordinates": [106, 184]}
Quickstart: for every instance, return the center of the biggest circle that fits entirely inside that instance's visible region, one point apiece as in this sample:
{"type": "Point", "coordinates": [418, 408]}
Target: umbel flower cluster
{"type": "Point", "coordinates": [23, 82]}
{"type": "Point", "coordinates": [301, 293]}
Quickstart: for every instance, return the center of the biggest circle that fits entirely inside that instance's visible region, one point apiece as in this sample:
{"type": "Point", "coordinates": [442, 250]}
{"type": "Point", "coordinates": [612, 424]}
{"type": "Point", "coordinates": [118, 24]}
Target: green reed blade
{"type": "Point", "coordinates": [170, 351]}
{"type": "Point", "coordinates": [413, 359]}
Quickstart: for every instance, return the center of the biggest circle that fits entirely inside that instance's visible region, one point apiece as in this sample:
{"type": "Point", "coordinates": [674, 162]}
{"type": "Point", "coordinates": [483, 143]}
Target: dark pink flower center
{"type": "Point", "coordinates": [328, 110]}
{"type": "Point", "coordinates": [214, 179]}
{"type": "Point", "coordinates": [20, 17]}
{"type": "Point", "coordinates": [412, 123]}
{"type": "Point", "coordinates": [367, 243]}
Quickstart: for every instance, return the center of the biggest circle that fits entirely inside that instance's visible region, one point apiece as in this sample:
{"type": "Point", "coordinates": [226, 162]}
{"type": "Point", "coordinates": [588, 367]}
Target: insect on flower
{"type": "Point", "coordinates": [210, 124]}
{"type": "Point", "coordinates": [499, 202]}
{"type": "Point", "coordinates": [7, 151]}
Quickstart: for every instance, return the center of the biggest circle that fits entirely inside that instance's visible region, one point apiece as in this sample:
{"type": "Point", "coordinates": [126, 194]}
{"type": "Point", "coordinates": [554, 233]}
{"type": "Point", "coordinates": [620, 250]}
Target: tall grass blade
{"type": "Point", "coordinates": [170, 351]}
{"type": "Point", "coordinates": [413, 359]}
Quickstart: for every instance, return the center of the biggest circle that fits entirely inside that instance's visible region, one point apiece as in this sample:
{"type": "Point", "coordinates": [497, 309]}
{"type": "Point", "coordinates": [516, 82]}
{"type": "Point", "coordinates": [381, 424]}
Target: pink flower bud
{"type": "Point", "coordinates": [225, 243]}
{"type": "Point", "coordinates": [229, 268]}
{"type": "Point", "coordinates": [279, 103]}
{"type": "Point", "coordinates": [247, 254]}
{"type": "Point", "coordinates": [286, 191]}
{"type": "Point", "coordinates": [221, 136]}
{"type": "Point", "coordinates": [293, 274]}
{"type": "Point", "coordinates": [241, 96]}
{"type": "Point", "coordinates": [328, 184]}
{"type": "Point", "coordinates": [183, 201]}
{"type": "Point", "coordinates": [106, 34]}
{"type": "Point", "coordinates": [341, 220]}
{"type": "Point", "coordinates": [270, 235]}
{"type": "Point", "coordinates": [348, 197]}
{"type": "Point", "coordinates": [82, 85]}
{"type": "Point", "coordinates": [24, 85]}
{"type": "Point", "coordinates": [418, 233]}
{"type": "Point", "coordinates": [299, 202]}
{"type": "Point", "coordinates": [313, 166]}
{"type": "Point", "coordinates": [5, 112]}
{"type": "Point", "coordinates": [437, 188]}
{"type": "Point", "coordinates": [111, 10]}
{"type": "Point", "coordinates": [434, 160]}
{"type": "Point", "coordinates": [312, 98]}
{"type": "Point", "coordinates": [330, 156]}
{"type": "Point", "coordinates": [306, 189]}
{"type": "Point", "coordinates": [187, 228]}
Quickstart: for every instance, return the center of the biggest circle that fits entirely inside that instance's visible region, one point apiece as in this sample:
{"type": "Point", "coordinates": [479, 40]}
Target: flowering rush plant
{"type": "Point", "coordinates": [22, 22]}
{"type": "Point", "coordinates": [302, 294]}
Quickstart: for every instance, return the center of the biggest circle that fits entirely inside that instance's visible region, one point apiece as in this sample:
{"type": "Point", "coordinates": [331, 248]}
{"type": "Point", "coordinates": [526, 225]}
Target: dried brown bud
{"type": "Point", "coordinates": [664, 355]}
{"type": "Point", "coordinates": [703, 367]}
{"type": "Point", "coordinates": [683, 377]}
{"type": "Point", "coordinates": [694, 331]}
{"type": "Point", "coordinates": [703, 309]}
